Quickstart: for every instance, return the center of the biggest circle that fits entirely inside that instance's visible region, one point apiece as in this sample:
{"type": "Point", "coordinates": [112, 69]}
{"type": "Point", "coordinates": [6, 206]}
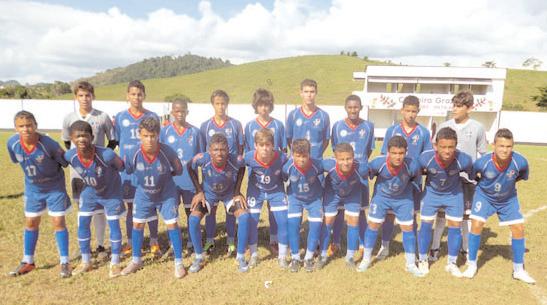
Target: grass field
{"type": "Point", "coordinates": [282, 76]}
{"type": "Point", "coordinates": [220, 283]}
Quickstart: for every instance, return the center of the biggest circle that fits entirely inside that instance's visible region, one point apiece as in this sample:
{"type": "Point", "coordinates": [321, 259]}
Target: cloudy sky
{"type": "Point", "coordinates": [64, 40]}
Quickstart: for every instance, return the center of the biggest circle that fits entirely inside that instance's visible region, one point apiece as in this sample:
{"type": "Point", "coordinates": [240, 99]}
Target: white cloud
{"type": "Point", "coordinates": [44, 42]}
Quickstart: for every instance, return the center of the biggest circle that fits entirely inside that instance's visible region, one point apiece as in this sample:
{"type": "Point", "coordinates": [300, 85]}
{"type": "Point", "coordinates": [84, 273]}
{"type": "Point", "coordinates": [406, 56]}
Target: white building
{"type": "Point", "coordinates": [386, 86]}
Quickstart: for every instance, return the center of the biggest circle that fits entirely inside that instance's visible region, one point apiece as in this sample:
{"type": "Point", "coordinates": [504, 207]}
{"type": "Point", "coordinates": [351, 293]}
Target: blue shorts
{"type": "Point", "coordinates": [128, 190]}
{"type": "Point", "coordinates": [314, 208]}
{"type": "Point", "coordinates": [508, 211]}
{"type": "Point", "coordinates": [145, 210]}
{"type": "Point", "coordinates": [403, 208]}
{"type": "Point", "coordinates": [36, 202]}
{"type": "Point", "coordinates": [185, 197]}
{"type": "Point", "coordinates": [451, 203]}
{"type": "Point", "coordinates": [256, 198]}
{"type": "Point", "coordinates": [351, 204]}
{"type": "Point", "coordinates": [114, 208]}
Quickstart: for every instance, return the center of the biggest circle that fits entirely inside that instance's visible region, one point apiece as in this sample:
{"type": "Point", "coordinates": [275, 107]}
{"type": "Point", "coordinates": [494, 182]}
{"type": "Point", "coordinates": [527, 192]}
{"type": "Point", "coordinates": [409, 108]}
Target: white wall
{"type": "Point", "coordinates": [527, 127]}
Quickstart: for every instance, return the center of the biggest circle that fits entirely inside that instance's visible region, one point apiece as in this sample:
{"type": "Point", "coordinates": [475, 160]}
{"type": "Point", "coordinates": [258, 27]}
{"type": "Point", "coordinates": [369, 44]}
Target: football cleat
{"type": "Point", "coordinates": [242, 265]}
{"type": "Point", "coordinates": [22, 268]}
{"type": "Point", "coordinates": [321, 263]}
{"type": "Point", "coordinates": [102, 254]}
{"type": "Point", "coordinates": [180, 272]}
{"type": "Point", "coordinates": [283, 264]}
{"type": "Point", "coordinates": [253, 262]}
{"type": "Point", "coordinates": [350, 263]}
{"type": "Point", "coordinates": [231, 249]}
{"type": "Point", "coordinates": [197, 264]}
{"type": "Point", "coordinates": [66, 270]}
{"type": "Point", "coordinates": [209, 247]}
{"type": "Point", "coordinates": [434, 255]}
{"type": "Point", "coordinates": [308, 265]}
{"type": "Point", "coordinates": [412, 269]}
{"type": "Point", "coordinates": [132, 267]}
{"type": "Point", "coordinates": [423, 266]}
{"type": "Point", "coordinates": [294, 266]}
{"type": "Point", "coordinates": [364, 265]}
{"type": "Point", "coordinates": [382, 253]}
{"type": "Point", "coordinates": [522, 275]}
{"type": "Point", "coordinates": [115, 271]}
{"type": "Point", "coordinates": [453, 270]}
{"type": "Point", "coordinates": [82, 268]}
{"type": "Point", "coordinates": [470, 271]}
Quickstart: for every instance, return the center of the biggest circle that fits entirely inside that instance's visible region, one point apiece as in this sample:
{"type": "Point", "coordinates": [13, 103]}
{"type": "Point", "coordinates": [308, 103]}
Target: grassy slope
{"type": "Point", "coordinates": [220, 283]}
{"type": "Point", "coordinates": [282, 76]}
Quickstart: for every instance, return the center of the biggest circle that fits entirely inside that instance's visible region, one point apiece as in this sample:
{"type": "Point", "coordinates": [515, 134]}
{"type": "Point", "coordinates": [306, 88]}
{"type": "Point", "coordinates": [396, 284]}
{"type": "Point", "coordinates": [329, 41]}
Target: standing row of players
{"type": "Point", "coordinates": [150, 158]}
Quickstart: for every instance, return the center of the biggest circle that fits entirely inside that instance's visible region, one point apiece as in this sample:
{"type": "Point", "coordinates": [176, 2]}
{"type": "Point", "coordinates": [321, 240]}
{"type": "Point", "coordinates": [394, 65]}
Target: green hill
{"type": "Point", "coordinates": [282, 76]}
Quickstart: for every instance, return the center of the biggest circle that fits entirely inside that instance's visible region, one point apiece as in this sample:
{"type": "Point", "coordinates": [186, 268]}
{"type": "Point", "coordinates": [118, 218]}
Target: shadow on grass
{"type": "Point", "coordinates": [12, 196]}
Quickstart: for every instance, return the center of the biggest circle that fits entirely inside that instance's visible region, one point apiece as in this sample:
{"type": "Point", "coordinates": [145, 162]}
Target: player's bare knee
{"type": "Point", "coordinates": [138, 226]}
{"type": "Point", "coordinates": [476, 226]}
{"type": "Point", "coordinates": [329, 220]}
{"type": "Point", "coordinates": [352, 220]}
{"type": "Point", "coordinates": [58, 223]}
{"type": "Point", "coordinates": [406, 228]}
{"type": "Point", "coordinates": [171, 226]}
{"type": "Point", "coordinates": [32, 223]}
{"type": "Point", "coordinates": [374, 225]}
{"type": "Point", "coordinates": [453, 223]}
{"type": "Point", "coordinates": [517, 230]}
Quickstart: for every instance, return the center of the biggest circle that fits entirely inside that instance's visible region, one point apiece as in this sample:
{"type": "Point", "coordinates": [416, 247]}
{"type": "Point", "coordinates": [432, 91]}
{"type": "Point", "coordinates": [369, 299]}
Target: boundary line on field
{"type": "Point", "coordinates": [538, 292]}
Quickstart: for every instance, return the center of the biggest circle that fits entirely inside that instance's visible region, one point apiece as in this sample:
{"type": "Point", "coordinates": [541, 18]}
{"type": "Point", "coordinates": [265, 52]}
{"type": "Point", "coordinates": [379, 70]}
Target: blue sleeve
{"type": "Point", "coordinates": [174, 160]}
{"type": "Point", "coordinates": [326, 133]}
{"type": "Point", "coordinates": [285, 171]}
{"type": "Point", "coordinates": [372, 142]}
{"type": "Point", "coordinates": [112, 159]}
{"type": "Point", "coordinates": [240, 138]}
{"type": "Point", "coordinates": [128, 161]}
{"type": "Point", "coordinates": [383, 151]}
{"type": "Point", "coordinates": [524, 169]}
{"type": "Point", "coordinates": [56, 152]}
{"type": "Point", "coordinates": [427, 140]}
{"type": "Point", "coordinates": [334, 138]}
{"type": "Point", "coordinates": [199, 140]}
{"type": "Point", "coordinates": [248, 157]}
{"type": "Point", "coordinates": [289, 126]}
{"type": "Point", "coordinates": [282, 137]}
{"type": "Point", "coordinates": [423, 160]}
{"type": "Point", "coordinates": [163, 134]}
{"type": "Point", "coordinates": [373, 168]}
{"type": "Point", "coordinates": [240, 162]}
{"type": "Point", "coordinates": [363, 169]}
{"type": "Point", "coordinates": [10, 151]}
{"type": "Point", "coordinates": [477, 167]}
{"type": "Point", "coordinates": [247, 135]}
{"type": "Point", "coordinates": [197, 161]}
{"type": "Point", "coordinates": [117, 126]}
{"type": "Point", "coordinates": [203, 133]}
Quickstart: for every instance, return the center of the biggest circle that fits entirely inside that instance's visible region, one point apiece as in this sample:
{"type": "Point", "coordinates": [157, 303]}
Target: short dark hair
{"type": "Point", "coordinates": [504, 133]}
{"type": "Point", "coordinates": [308, 83]}
{"type": "Point", "coordinates": [300, 146]}
{"type": "Point", "coordinates": [23, 114]}
{"type": "Point", "coordinates": [411, 100]}
{"type": "Point", "coordinates": [263, 97]}
{"type": "Point", "coordinates": [82, 126]}
{"type": "Point", "coordinates": [343, 148]}
{"type": "Point", "coordinates": [264, 135]}
{"type": "Point", "coordinates": [183, 101]}
{"type": "Point", "coordinates": [464, 97]}
{"type": "Point", "coordinates": [353, 97]}
{"type": "Point", "coordinates": [136, 84]}
{"type": "Point", "coordinates": [220, 93]}
{"type": "Point", "coordinates": [150, 124]}
{"type": "Point", "coordinates": [84, 86]}
{"type": "Point", "coordinates": [218, 138]}
{"type": "Point", "coordinates": [397, 141]}
{"type": "Point", "coordinates": [446, 133]}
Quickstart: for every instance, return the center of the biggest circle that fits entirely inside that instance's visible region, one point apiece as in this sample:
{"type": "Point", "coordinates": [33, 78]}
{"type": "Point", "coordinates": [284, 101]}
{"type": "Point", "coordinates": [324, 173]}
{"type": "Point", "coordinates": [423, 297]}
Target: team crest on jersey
{"type": "Point", "coordinates": [294, 178]}
{"type": "Point", "coordinates": [415, 139]}
{"type": "Point", "coordinates": [228, 132]}
{"type": "Point", "coordinates": [299, 122]}
{"type": "Point", "coordinates": [171, 139]}
{"type": "Point", "coordinates": [39, 159]}
{"type": "Point", "coordinates": [126, 123]}
{"type": "Point", "coordinates": [490, 175]}
{"type": "Point", "coordinates": [433, 171]}
{"type": "Point", "coordinates": [510, 174]}
{"type": "Point", "coordinates": [343, 133]}
{"type": "Point", "coordinates": [362, 133]}
{"type": "Point", "coordinates": [211, 132]}
{"type": "Point", "coordinates": [316, 122]}
{"type": "Point", "coordinates": [99, 171]}
{"type": "Point", "coordinates": [19, 157]}
{"type": "Point", "coordinates": [160, 168]}
{"type": "Point", "coordinates": [190, 139]}
{"type": "Point", "coordinates": [209, 173]}
{"type": "Point", "coordinates": [140, 166]}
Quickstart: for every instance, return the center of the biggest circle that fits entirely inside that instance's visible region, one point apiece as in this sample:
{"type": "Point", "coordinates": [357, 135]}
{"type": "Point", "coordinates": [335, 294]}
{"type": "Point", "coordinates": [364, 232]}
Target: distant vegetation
{"type": "Point", "coordinates": [158, 67]}
{"type": "Point", "coordinates": [13, 89]}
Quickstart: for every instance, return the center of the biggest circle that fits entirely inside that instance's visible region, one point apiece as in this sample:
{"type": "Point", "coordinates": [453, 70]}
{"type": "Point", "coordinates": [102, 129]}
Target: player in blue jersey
{"type": "Point", "coordinates": [186, 141]}
{"type": "Point", "coordinates": [343, 187]}
{"type": "Point", "coordinates": [496, 193]}
{"type": "Point", "coordinates": [221, 182]}
{"type": "Point", "coordinates": [359, 134]}
{"type": "Point", "coordinates": [99, 168]}
{"type": "Point", "coordinates": [395, 180]}
{"type": "Point", "coordinates": [443, 190]}
{"type": "Point", "coordinates": [309, 121]}
{"type": "Point", "coordinates": [305, 191]}
{"type": "Point", "coordinates": [263, 104]}
{"type": "Point", "coordinates": [126, 126]}
{"type": "Point", "coordinates": [153, 165]}
{"type": "Point", "coordinates": [231, 129]}
{"type": "Point", "coordinates": [418, 139]}
{"type": "Point", "coordinates": [41, 159]}
{"type": "Point", "coordinates": [266, 184]}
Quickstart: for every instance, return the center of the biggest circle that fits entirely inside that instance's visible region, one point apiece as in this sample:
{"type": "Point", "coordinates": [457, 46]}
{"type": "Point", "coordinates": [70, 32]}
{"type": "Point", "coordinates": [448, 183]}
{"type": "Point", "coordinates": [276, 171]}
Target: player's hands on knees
{"type": "Point", "coordinates": [199, 198]}
{"type": "Point", "coordinates": [241, 199]}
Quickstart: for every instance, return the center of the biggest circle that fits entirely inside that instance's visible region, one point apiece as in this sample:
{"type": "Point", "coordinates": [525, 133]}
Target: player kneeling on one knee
{"type": "Point", "coordinates": [153, 166]}
{"type": "Point", "coordinates": [497, 174]}
{"type": "Point", "coordinates": [395, 182]}
{"type": "Point", "coordinates": [222, 178]}
{"type": "Point", "coordinates": [443, 190]}
{"type": "Point", "coordinates": [99, 169]}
